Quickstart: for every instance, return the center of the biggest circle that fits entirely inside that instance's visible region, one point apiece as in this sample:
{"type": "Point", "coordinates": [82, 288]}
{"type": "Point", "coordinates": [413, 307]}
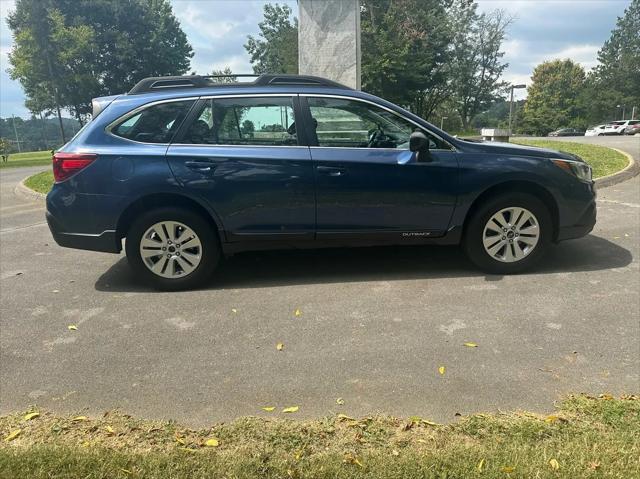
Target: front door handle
{"type": "Point", "coordinates": [331, 170]}
{"type": "Point", "coordinates": [202, 166]}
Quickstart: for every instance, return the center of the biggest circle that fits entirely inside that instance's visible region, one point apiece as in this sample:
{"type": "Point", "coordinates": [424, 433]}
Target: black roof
{"type": "Point", "coordinates": [199, 81]}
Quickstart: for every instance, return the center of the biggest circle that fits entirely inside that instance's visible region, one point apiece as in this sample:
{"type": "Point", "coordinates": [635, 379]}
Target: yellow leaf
{"type": "Point", "coordinates": [109, 429]}
{"type": "Point", "coordinates": [85, 444]}
{"type": "Point", "coordinates": [471, 345]}
{"type": "Point", "coordinates": [351, 459]}
{"type": "Point", "coordinates": [480, 465]}
{"type": "Point", "coordinates": [508, 469]}
{"type": "Point", "coordinates": [340, 401]}
{"type": "Point", "coordinates": [80, 418]}
{"type": "Point", "coordinates": [30, 416]}
{"type": "Point", "coordinates": [441, 370]}
{"type": "Point", "coordinates": [290, 409]}
{"type": "Point", "coordinates": [345, 417]}
{"type": "Point", "coordinates": [187, 449]}
{"type": "Point", "coordinates": [72, 327]}
{"type": "Point", "coordinates": [268, 408]}
{"type": "Point", "coordinates": [422, 441]}
{"type": "Point", "coordinates": [179, 440]}
{"type": "Point", "coordinates": [234, 310]}
{"type": "Point", "coordinates": [395, 452]}
{"type": "Point", "coordinates": [280, 346]}
{"type": "Point", "coordinates": [429, 423]}
{"type": "Point", "coordinates": [212, 442]}
{"type": "Point", "coordinates": [297, 313]}
{"type": "Point", "coordinates": [126, 471]}
{"type": "Point", "coordinates": [554, 464]}
{"type": "Point", "coordinates": [13, 434]}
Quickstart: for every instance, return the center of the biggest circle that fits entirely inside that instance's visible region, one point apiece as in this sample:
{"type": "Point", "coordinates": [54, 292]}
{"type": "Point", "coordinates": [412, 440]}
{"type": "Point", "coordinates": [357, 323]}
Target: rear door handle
{"type": "Point", "coordinates": [331, 170]}
{"type": "Point", "coordinates": [203, 166]}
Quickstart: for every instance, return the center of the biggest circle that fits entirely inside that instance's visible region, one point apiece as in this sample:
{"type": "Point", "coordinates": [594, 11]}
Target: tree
{"type": "Point", "coordinates": [476, 65]}
{"type": "Point", "coordinates": [616, 78]}
{"type": "Point", "coordinates": [248, 128]}
{"type": "Point", "coordinates": [554, 98]}
{"type": "Point", "coordinates": [405, 52]}
{"type": "Point", "coordinates": [81, 49]}
{"type": "Point", "coordinates": [276, 48]}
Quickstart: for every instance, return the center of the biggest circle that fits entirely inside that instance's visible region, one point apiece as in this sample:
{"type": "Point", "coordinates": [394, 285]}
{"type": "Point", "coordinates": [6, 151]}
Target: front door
{"type": "Point", "coordinates": [367, 180]}
{"type": "Point", "coordinates": [241, 155]}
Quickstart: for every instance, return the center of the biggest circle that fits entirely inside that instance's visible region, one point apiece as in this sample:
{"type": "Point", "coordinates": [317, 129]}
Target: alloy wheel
{"type": "Point", "coordinates": [511, 234]}
{"type": "Point", "coordinates": [170, 249]}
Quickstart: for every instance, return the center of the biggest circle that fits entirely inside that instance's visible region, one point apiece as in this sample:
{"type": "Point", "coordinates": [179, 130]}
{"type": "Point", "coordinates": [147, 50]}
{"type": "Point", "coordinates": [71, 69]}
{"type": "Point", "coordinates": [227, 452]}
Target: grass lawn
{"type": "Point", "coordinates": [40, 182]}
{"type": "Point", "coordinates": [30, 158]}
{"type": "Point", "coordinates": [586, 437]}
{"type": "Point", "coordinates": [604, 161]}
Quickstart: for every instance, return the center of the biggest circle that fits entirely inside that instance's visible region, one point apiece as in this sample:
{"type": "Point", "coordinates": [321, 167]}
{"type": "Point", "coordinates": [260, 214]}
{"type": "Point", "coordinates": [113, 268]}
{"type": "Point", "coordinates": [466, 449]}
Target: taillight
{"type": "Point", "coordinates": [66, 165]}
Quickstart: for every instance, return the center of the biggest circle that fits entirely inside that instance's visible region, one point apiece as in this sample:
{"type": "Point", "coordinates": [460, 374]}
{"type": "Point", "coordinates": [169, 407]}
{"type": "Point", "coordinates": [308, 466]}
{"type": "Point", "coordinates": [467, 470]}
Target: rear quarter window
{"type": "Point", "coordinates": [154, 124]}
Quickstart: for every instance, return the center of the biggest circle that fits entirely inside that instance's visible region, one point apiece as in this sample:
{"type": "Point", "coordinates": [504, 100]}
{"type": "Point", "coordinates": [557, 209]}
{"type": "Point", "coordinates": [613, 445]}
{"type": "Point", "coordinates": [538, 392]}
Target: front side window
{"type": "Point", "coordinates": [244, 121]}
{"type": "Point", "coordinates": [155, 124]}
{"type": "Point", "coordinates": [354, 124]}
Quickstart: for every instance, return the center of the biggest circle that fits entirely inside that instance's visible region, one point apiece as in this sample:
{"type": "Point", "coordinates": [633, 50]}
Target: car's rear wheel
{"type": "Point", "coordinates": [508, 233]}
{"type": "Point", "coordinates": [172, 248]}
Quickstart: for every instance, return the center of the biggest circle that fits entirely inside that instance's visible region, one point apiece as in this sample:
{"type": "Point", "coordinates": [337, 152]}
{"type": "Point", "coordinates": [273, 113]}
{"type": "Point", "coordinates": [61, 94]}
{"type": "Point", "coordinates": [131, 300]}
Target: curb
{"type": "Point", "coordinates": [628, 172]}
{"type": "Point", "coordinates": [27, 193]}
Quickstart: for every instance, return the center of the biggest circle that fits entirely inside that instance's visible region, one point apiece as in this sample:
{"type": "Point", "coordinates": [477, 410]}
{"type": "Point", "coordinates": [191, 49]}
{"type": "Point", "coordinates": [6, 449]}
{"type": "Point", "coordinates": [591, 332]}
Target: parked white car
{"type": "Point", "coordinates": [596, 130]}
{"type": "Point", "coordinates": [618, 127]}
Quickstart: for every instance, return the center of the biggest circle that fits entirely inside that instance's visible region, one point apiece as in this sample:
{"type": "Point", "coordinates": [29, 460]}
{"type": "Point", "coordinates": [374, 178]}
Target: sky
{"type": "Point", "coordinates": [217, 30]}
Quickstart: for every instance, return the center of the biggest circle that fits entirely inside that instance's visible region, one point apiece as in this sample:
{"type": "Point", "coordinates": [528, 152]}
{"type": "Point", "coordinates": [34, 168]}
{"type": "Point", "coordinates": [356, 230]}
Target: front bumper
{"type": "Point", "coordinates": [583, 226]}
{"type": "Point", "coordinates": [106, 241]}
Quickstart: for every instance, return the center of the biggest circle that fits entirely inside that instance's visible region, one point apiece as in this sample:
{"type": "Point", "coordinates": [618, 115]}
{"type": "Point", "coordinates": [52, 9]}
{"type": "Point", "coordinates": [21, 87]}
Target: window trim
{"type": "Point", "coordinates": [122, 118]}
{"type": "Point", "coordinates": [302, 143]}
{"type": "Point", "coordinates": [362, 100]}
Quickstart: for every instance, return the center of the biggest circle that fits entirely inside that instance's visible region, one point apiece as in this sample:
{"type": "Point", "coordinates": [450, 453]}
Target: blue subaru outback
{"type": "Point", "coordinates": [188, 169]}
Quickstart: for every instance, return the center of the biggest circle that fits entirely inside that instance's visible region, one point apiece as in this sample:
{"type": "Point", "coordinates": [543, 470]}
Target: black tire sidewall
{"type": "Point", "coordinates": [204, 230]}
{"type": "Point", "coordinates": [472, 241]}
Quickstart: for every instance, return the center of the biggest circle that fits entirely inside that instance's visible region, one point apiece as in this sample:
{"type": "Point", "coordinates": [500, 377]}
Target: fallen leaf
{"type": "Point", "coordinates": [72, 327]}
{"type": "Point", "coordinates": [234, 310]}
{"type": "Point", "coordinates": [85, 444]}
{"type": "Point", "coordinates": [471, 345]}
{"type": "Point", "coordinates": [554, 464]}
{"type": "Point", "coordinates": [179, 440]}
{"type": "Point", "coordinates": [13, 434]}
{"type": "Point", "coordinates": [280, 346]}
{"type": "Point", "coordinates": [480, 465]}
{"type": "Point", "coordinates": [212, 442]}
{"type": "Point", "coordinates": [297, 313]}
{"type": "Point", "coordinates": [351, 459]}
{"type": "Point", "coordinates": [340, 401]}
{"type": "Point", "coordinates": [422, 441]}
{"type": "Point", "coordinates": [344, 417]}
{"type": "Point", "coordinates": [441, 370]}
{"type": "Point", "coordinates": [126, 471]}
{"type": "Point", "coordinates": [109, 429]}
{"type": "Point", "coordinates": [55, 291]}
{"type": "Point", "coordinates": [290, 409]}
{"type": "Point", "coordinates": [395, 452]}
{"type": "Point", "coordinates": [508, 469]}
{"type": "Point", "coordinates": [80, 418]}
{"type": "Point", "coordinates": [268, 408]}
{"type": "Point", "coordinates": [429, 423]}
{"type": "Point", "coordinates": [593, 465]}
{"type": "Point", "coordinates": [30, 416]}
{"type": "Point", "coordinates": [626, 235]}
{"type": "Point", "coordinates": [606, 397]}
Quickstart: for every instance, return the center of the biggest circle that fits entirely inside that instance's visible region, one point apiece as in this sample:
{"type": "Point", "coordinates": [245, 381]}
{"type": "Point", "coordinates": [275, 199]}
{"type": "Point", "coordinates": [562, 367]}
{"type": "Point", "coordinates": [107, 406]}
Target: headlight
{"type": "Point", "coordinates": [580, 170]}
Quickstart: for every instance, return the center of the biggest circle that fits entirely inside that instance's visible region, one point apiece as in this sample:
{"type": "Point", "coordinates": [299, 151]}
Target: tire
{"type": "Point", "coordinates": [514, 250]}
{"type": "Point", "coordinates": [175, 268]}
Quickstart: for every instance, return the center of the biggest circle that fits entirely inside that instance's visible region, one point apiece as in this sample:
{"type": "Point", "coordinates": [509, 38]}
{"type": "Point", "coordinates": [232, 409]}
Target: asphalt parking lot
{"type": "Point", "coordinates": [374, 326]}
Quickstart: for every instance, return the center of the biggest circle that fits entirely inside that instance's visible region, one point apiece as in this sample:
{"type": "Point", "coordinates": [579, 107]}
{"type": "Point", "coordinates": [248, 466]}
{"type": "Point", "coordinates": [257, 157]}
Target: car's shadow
{"type": "Point", "coordinates": [282, 268]}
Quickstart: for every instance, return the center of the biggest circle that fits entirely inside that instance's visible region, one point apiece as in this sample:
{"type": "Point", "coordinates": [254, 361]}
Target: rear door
{"type": "Point", "coordinates": [368, 182]}
{"type": "Point", "coordinates": [242, 155]}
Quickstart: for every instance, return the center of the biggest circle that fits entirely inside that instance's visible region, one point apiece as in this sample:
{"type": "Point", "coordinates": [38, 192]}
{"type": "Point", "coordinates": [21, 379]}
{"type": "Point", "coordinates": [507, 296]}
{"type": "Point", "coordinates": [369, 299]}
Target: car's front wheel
{"type": "Point", "coordinates": [172, 248]}
{"type": "Point", "coordinates": [508, 233]}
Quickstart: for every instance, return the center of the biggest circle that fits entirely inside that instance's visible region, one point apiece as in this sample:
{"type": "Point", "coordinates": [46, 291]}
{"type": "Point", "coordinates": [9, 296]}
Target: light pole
{"type": "Point", "coordinates": [513, 87]}
{"type": "Point", "coordinates": [623, 110]}
{"type": "Point", "coordinates": [442, 122]}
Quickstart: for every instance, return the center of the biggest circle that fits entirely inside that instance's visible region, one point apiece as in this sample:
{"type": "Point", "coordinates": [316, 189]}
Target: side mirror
{"type": "Point", "coordinates": [419, 144]}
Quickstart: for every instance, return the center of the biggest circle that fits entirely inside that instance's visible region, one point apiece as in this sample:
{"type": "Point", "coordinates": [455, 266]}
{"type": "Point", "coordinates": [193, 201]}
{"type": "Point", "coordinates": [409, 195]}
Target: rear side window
{"type": "Point", "coordinates": [155, 124]}
{"type": "Point", "coordinates": [244, 121]}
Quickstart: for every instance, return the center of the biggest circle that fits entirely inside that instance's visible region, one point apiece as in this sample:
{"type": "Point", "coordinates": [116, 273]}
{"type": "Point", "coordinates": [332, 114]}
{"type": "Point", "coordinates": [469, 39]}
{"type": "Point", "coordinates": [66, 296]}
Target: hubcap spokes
{"type": "Point", "coordinates": [171, 249]}
{"type": "Point", "coordinates": [511, 234]}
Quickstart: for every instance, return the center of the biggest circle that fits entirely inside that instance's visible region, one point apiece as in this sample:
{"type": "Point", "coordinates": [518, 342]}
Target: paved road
{"type": "Point", "coordinates": [375, 326]}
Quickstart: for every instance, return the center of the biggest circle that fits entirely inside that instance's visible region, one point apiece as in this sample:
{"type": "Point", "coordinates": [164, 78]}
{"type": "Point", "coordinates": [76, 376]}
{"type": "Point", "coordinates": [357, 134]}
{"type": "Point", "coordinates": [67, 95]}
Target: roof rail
{"type": "Point", "coordinates": [152, 84]}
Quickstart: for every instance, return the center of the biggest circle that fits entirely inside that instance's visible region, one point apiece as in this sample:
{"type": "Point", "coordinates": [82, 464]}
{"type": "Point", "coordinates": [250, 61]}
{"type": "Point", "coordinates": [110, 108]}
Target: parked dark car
{"type": "Point", "coordinates": [567, 132]}
{"type": "Point", "coordinates": [188, 170]}
{"type": "Point", "coordinates": [633, 128]}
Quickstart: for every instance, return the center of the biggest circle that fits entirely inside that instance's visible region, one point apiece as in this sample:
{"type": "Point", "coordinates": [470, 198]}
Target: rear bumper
{"type": "Point", "coordinates": [583, 226]}
{"type": "Point", "coordinates": [106, 241]}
